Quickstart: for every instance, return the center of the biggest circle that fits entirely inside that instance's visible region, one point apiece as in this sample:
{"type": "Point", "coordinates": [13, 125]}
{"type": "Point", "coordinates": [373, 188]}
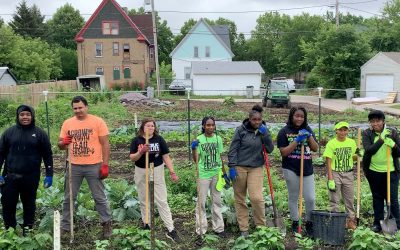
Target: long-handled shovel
{"type": "Point", "coordinates": [199, 203]}
{"type": "Point", "coordinates": [301, 188]}
{"type": "Point", "coordinates": [152, 232]}
{"type": "Point", "coordinates": [358, 176]}
{"type": "Point", "coordinates": [146, 218]}
{"type": "Point", "coordinates": [278, 220]}
{"type": "Point", "coordinates": [388, 225]}
{"type": "Point", "coordinates": [71, 202]}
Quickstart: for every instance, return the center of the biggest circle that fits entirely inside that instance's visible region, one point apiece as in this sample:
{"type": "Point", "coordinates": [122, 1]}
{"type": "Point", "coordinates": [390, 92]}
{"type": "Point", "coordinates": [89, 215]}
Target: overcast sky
{"type": "Point", "coordinates": [245, 21]}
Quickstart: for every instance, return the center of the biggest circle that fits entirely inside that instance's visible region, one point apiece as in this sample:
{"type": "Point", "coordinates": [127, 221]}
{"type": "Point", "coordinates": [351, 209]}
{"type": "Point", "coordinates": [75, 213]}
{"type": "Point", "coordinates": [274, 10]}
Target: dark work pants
{"type": "Point", "coordinates": [16, 186]}
{"type": "Point", "coordinates": [377, 183]}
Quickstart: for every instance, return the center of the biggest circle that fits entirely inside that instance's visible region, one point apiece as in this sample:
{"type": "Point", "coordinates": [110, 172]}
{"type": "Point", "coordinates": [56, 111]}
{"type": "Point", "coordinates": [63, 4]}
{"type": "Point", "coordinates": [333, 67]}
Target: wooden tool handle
{"type": "Point", "coordinates": [358, 173]}
{"type": "Point", "coordinates": [388, 156]}
{"type": "Point", "coordinates": [147, 178]}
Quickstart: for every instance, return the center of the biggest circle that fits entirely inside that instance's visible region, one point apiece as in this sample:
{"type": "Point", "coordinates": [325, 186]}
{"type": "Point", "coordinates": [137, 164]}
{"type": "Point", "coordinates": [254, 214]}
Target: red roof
{"type": "Point", "coordinates": [145, 23]}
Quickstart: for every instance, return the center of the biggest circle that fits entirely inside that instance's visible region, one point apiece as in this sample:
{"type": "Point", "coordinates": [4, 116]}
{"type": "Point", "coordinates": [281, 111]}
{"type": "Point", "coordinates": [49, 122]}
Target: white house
{"type": "Point", "coordinates": [380, 75]}
{"type": "Point", "coordinates": [225, 78]}
{"type": "Point", "coordinates": [6, 77]}
{"type": "Point", "coordinates": [202, 43]}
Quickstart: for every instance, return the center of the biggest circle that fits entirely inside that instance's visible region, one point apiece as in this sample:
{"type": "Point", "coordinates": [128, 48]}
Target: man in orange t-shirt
{"type": "Point", "coordinates": [85, 136]}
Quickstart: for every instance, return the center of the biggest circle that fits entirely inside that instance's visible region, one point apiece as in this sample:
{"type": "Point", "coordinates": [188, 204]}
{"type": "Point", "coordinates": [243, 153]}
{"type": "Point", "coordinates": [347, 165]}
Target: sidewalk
{"type": "Point", "coordinates": [334, 104]}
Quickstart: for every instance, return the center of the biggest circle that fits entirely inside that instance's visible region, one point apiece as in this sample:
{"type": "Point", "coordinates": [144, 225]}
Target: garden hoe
{"type": "Point", "coordinates": [388, 225]}
{"type": "Point", "coordinates": [71, 201]}
{"type": "Point", "coordinates": [278, 220]}
{"type": "Point", "coordinates": [301, 188]}
{"type": "Point", "coordinates": [358, 176]}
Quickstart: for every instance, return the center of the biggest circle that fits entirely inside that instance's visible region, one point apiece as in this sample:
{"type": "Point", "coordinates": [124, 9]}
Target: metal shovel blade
{"type": "Point", "coordinates": [278, 223]}
{"type": "Point", "coordinates": [389, 226]}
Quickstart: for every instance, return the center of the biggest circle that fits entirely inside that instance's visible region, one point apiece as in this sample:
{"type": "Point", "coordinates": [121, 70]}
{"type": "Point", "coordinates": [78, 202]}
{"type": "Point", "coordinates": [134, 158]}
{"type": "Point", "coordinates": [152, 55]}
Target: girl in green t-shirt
{"type": "Point", "coordinates": [207, 149]}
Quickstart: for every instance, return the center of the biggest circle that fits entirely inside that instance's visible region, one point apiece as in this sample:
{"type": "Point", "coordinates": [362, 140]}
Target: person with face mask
{"type": "Point", "coordinates": [289, 141]}
{"type": "Point", "coordinates": [376, 140]}
{"type": "Point", "coordinates": [23, 147]}
{"type": "Point", "coordinates": [246, 161]}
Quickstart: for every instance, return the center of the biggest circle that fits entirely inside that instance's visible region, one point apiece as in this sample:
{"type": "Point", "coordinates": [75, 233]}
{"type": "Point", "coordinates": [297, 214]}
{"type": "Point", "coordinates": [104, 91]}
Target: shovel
{"type": "Point", "coordinates": [388, 225]}
{"type": "Point", "coordinates": [358, 177]}
{"type": "Point", "coordinates": [277, 220]}
{"type": "Point", "coordinates": [71, 201]}
{"type": "Point", "coordinates": [301, 188]}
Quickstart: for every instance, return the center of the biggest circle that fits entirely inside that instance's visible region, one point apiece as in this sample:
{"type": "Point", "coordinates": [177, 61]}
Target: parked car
{"type": "Point", "coordinates": [177, 88]}
{"type": "Point", "coordinates": [277, 94]}
{"type": "Point", "coordinates": [290, 83]}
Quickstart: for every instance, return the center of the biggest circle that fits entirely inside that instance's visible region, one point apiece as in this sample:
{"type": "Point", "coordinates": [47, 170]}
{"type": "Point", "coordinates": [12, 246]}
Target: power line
{"type": "Point", "coordinates": [371, 13]}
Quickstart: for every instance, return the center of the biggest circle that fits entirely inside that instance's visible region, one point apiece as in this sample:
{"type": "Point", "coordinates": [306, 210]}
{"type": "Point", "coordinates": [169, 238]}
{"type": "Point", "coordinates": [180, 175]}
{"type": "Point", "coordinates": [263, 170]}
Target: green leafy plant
{"type": "Point", "coordinates": [305, 242]}
{"type": "Point", "coordinates": [10, 240]}
{"type": "Point", "coordinates": [134, 238]}
{"type": "Point", "coordinates": [229, 101]}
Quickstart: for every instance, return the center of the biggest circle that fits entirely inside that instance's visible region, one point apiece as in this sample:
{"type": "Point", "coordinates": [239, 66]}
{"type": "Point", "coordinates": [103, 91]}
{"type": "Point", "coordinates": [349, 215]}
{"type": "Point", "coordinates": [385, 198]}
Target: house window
{"type": "Point", "coordinates": [187, 72]}
{"type": "Point", "coordinates": [116, 73]}
{"type": "Point", "coordinates": [151, 53]}
{"type": "Point", "coordinates": [99, 49]}
{"type": "Point", "coordinates": [207, 51]}
{"type": "Point", "coordinates": [110, 28]}
{"type": "Point", "coordinates": [127, 72]}
{"type": "Point", "coordinates": [126, 51]}
{"type": "Point", "coordinates": [115, 49]}
{"type": "Point", "coordinates": [99, 71]}
{"type": "Point", "coordinates": [196, 51]}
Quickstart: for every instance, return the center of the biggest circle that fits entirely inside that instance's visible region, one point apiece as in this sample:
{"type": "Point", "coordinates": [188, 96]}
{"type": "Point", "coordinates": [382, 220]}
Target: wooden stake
{"type": "Point", "coordinates": [147, 179]}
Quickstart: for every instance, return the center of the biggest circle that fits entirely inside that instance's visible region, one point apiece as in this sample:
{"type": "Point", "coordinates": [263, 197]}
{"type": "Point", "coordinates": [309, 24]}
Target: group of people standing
{"type": "Point", "coordinates": [24, 146]}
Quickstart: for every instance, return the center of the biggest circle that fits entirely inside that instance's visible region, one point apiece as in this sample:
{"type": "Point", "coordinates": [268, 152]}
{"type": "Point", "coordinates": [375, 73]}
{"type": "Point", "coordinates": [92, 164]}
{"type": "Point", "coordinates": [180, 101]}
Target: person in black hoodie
{"type": "Point", "coordinates": [22, 149]}
{"type": "Point", "coordinates": [246, 161]}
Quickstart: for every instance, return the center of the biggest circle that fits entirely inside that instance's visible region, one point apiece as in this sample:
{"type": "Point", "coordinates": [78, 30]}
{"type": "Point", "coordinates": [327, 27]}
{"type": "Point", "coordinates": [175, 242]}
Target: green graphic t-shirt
{"type": "Point", "coordinates": [341, 153]}
{"type": "Point", "coordinates": [209, 150]}
{"type": "Point", "coordinates": [379, 160]}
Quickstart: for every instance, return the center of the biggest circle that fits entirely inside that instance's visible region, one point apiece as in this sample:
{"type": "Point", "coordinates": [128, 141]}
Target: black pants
{"type": "Point", "coordinates": [377, 183]}
{"type": "Point", "coordinates": [24, 186]}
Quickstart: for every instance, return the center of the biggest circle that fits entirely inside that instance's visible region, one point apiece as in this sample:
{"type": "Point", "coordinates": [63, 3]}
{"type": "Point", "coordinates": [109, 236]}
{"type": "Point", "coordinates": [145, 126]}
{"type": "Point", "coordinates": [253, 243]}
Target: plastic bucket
{"type": "Point", "coordinates": [330, 227]}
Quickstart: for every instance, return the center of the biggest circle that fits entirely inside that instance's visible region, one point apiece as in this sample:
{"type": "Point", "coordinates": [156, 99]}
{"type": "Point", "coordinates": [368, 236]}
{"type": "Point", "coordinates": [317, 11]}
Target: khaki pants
{"type": "Point", "coordinates": [249, 179]}
{"type": "Point", "coordinates": [160, 194]}
{"type": "Point", "coordinates": [217, 219]}
{"type": "Point", "coordinates": [345, 186]}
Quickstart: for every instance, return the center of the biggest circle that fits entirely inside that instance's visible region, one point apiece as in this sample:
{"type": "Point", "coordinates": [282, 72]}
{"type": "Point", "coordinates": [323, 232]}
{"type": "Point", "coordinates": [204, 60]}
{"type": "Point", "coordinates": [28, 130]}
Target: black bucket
{"type": "Point", "coordinates": [330, 227]}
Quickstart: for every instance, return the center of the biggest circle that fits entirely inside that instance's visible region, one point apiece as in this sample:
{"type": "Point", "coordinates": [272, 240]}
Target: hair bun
{"type": "Point", "coordinates": [257, 108]}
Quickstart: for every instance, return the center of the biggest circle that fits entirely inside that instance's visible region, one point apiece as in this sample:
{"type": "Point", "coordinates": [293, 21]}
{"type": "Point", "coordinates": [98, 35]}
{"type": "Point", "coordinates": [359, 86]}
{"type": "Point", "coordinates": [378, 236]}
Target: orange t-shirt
{"type": "Point", "coordinates": [85, 147]}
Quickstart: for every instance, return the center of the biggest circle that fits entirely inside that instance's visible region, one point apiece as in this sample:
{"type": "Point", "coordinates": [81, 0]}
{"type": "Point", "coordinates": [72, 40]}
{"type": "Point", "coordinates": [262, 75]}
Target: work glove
{"type": "Point", "coordinates": [103, 171]}
{"type": "Point", "coordinates": [195, 144]}
{"type": "Point", "coordinates": [232, 173]}
{"type": "Point", "coordinates": [67, 140]}
{"type": "Point", "coordinates": [173, 177]}
{"type": "Point", "coordinates": [305, 132]}
{"type": "Point", "coordinates": [227, 181]}
{"type": "Point", "coordinates": [389, 142]}
{"type": "Point", "coordinates": [331, 185]}
{"type": "Point", "coordinates": [385, 133]}
{"type": "Point", "coordinates": [358, 152]}
{"type": "Point", "coordinates": [2, 181]}
{"type": "Point", "coordinates": [143, 148]}
{"type": "Point", "coordinates": [48, 181]}
{"type": "Point", "coordinates": [300, 138]}
{"type": "Point", "coordinates": [262, 129]}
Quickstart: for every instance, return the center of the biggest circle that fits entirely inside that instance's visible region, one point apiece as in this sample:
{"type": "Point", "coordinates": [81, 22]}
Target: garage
{"type": "Point", "coordinates": [381, 75]}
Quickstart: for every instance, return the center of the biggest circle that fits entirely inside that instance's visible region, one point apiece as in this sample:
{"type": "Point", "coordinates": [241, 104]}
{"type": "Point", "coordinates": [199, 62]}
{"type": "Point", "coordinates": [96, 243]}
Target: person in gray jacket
{"type": "Point", "coordinates": [246, 161]}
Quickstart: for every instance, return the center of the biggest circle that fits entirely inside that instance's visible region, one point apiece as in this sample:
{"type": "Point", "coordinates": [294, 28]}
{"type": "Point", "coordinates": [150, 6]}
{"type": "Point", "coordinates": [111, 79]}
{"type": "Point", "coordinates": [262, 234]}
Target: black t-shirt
{"type": "Point", "coordinates": [292, 162]}
{"type": "Point", "coordinates": [158, 148]}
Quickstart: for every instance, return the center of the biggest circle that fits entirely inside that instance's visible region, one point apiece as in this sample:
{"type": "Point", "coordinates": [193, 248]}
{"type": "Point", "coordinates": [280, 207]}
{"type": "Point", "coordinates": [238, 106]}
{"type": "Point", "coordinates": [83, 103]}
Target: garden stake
{"type": "Point", "coordinates": [152, 228]}
{"type": "Point", "coordinates": [71, 202]}
{"type": "Point", "coordinates": [146, 218]}
{"type": "Point", "coordinates": [358, 176]}
{"type": "Point", "coordinates": [301, 187]}
{"type": "Point", "coordinates": [278, 221]}
{"type": "Point", "coordinates": [388, 225]}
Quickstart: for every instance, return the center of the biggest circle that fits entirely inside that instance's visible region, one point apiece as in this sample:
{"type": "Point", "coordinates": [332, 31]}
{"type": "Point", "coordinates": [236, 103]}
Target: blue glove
{"type": "Point", "coordinates": [300, 138]}
{"type": "Point", "coordinates": [305, 132]}
{"type": "Point", "coordinates": [48, 181]}
{"type": "Point", "coordinates": [227, 181]}
{"type": "Point", "coordinates": [232, 173]}
{"type": "Point", "coordinates": [195, 144]}
{"type": "Point", "coordinates": [2, 181]}
{"type": "Point", "coordinates": [262, 129]}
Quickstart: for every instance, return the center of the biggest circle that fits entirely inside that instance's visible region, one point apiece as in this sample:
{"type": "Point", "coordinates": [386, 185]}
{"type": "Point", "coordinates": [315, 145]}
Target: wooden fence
{"type": "Point", "coordinates": [32, 94]}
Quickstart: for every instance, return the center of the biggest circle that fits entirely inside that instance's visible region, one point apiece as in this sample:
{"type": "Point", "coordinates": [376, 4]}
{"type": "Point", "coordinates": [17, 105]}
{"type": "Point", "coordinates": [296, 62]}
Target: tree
{"type": "Point", "coordinates": [187, 26]}
{"type": "Point", "coordinates": [336, 57]}
{"type": "Point", "coordinates": [69, 63]}
{"type": "Point", "coordinates": [28, 21]}
{"type": "Point", "coordinates": [64, 25]}
{"type": "Point", "coordinates": [165, 73]}
{"type": "Point", "coordinates": [392, 11]}
{"type": "Point", "coordinates": [1, 21]}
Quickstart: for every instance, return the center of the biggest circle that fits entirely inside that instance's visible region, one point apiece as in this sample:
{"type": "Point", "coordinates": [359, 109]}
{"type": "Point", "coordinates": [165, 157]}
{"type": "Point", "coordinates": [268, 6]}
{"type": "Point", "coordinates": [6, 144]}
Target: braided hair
{"type": "Point", "coordinates": [204, 121]}
{"type": "Point", "coordinates": [291, 114]}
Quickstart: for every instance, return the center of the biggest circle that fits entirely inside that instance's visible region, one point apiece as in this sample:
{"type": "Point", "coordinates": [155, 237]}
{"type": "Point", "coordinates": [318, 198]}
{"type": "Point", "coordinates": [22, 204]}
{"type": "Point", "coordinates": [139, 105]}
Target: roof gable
{"type": "Point", "coordinates": [4, 70]}
{"type": "Point", "coordinates": [393, 56]}
{"type": "Point", "coordinates": [210, 30]}
{"type": "Point", "coordinates": [110, 10]}
{"type": "Point", "coordinates": [223, 32]}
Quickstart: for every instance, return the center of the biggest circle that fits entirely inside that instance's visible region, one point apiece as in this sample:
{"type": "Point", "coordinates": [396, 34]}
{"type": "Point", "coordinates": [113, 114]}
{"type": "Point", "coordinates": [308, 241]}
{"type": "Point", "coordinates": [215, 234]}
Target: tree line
{"type": "Point", "coordinates": [284, 45]}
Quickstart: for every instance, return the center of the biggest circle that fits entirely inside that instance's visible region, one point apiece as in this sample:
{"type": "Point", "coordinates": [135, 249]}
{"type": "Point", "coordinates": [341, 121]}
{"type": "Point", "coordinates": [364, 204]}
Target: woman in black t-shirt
{"type": "Point", "coordinates": [159, 155]}
{"type": "Point", "coordinates": [289, 142]}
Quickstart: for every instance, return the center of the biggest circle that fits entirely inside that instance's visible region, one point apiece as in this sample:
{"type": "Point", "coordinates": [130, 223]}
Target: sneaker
{"type": "Point", "coordinates": [221, 234]}
{"type": "Point", "coordinates": [65, 235]}
{"type": "Point", "coordinates": [244, 234]}
{"type": "Point", "coordinates": [145, 227]}
{"type": "Point", "coordinates": [107, 229]}
{"type": "Point", "coordinates": [351, 224]}
{"type": "Point", "coordinates": [376, 228]}
{"type": "Point", "coordinates": [295, 226]}
{"type": "Point", "coordinates": [309, 229]}
{"type": "Point", "coordinates": [199, 240]}
{"type": "Point", "coordinates": [173, 235]}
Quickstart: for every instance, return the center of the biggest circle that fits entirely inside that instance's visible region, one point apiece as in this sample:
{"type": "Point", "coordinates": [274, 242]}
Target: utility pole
{"type": "Point", "coordinates": [153, 15]}
{"type": "Point", "coordinates": [337, 14]}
